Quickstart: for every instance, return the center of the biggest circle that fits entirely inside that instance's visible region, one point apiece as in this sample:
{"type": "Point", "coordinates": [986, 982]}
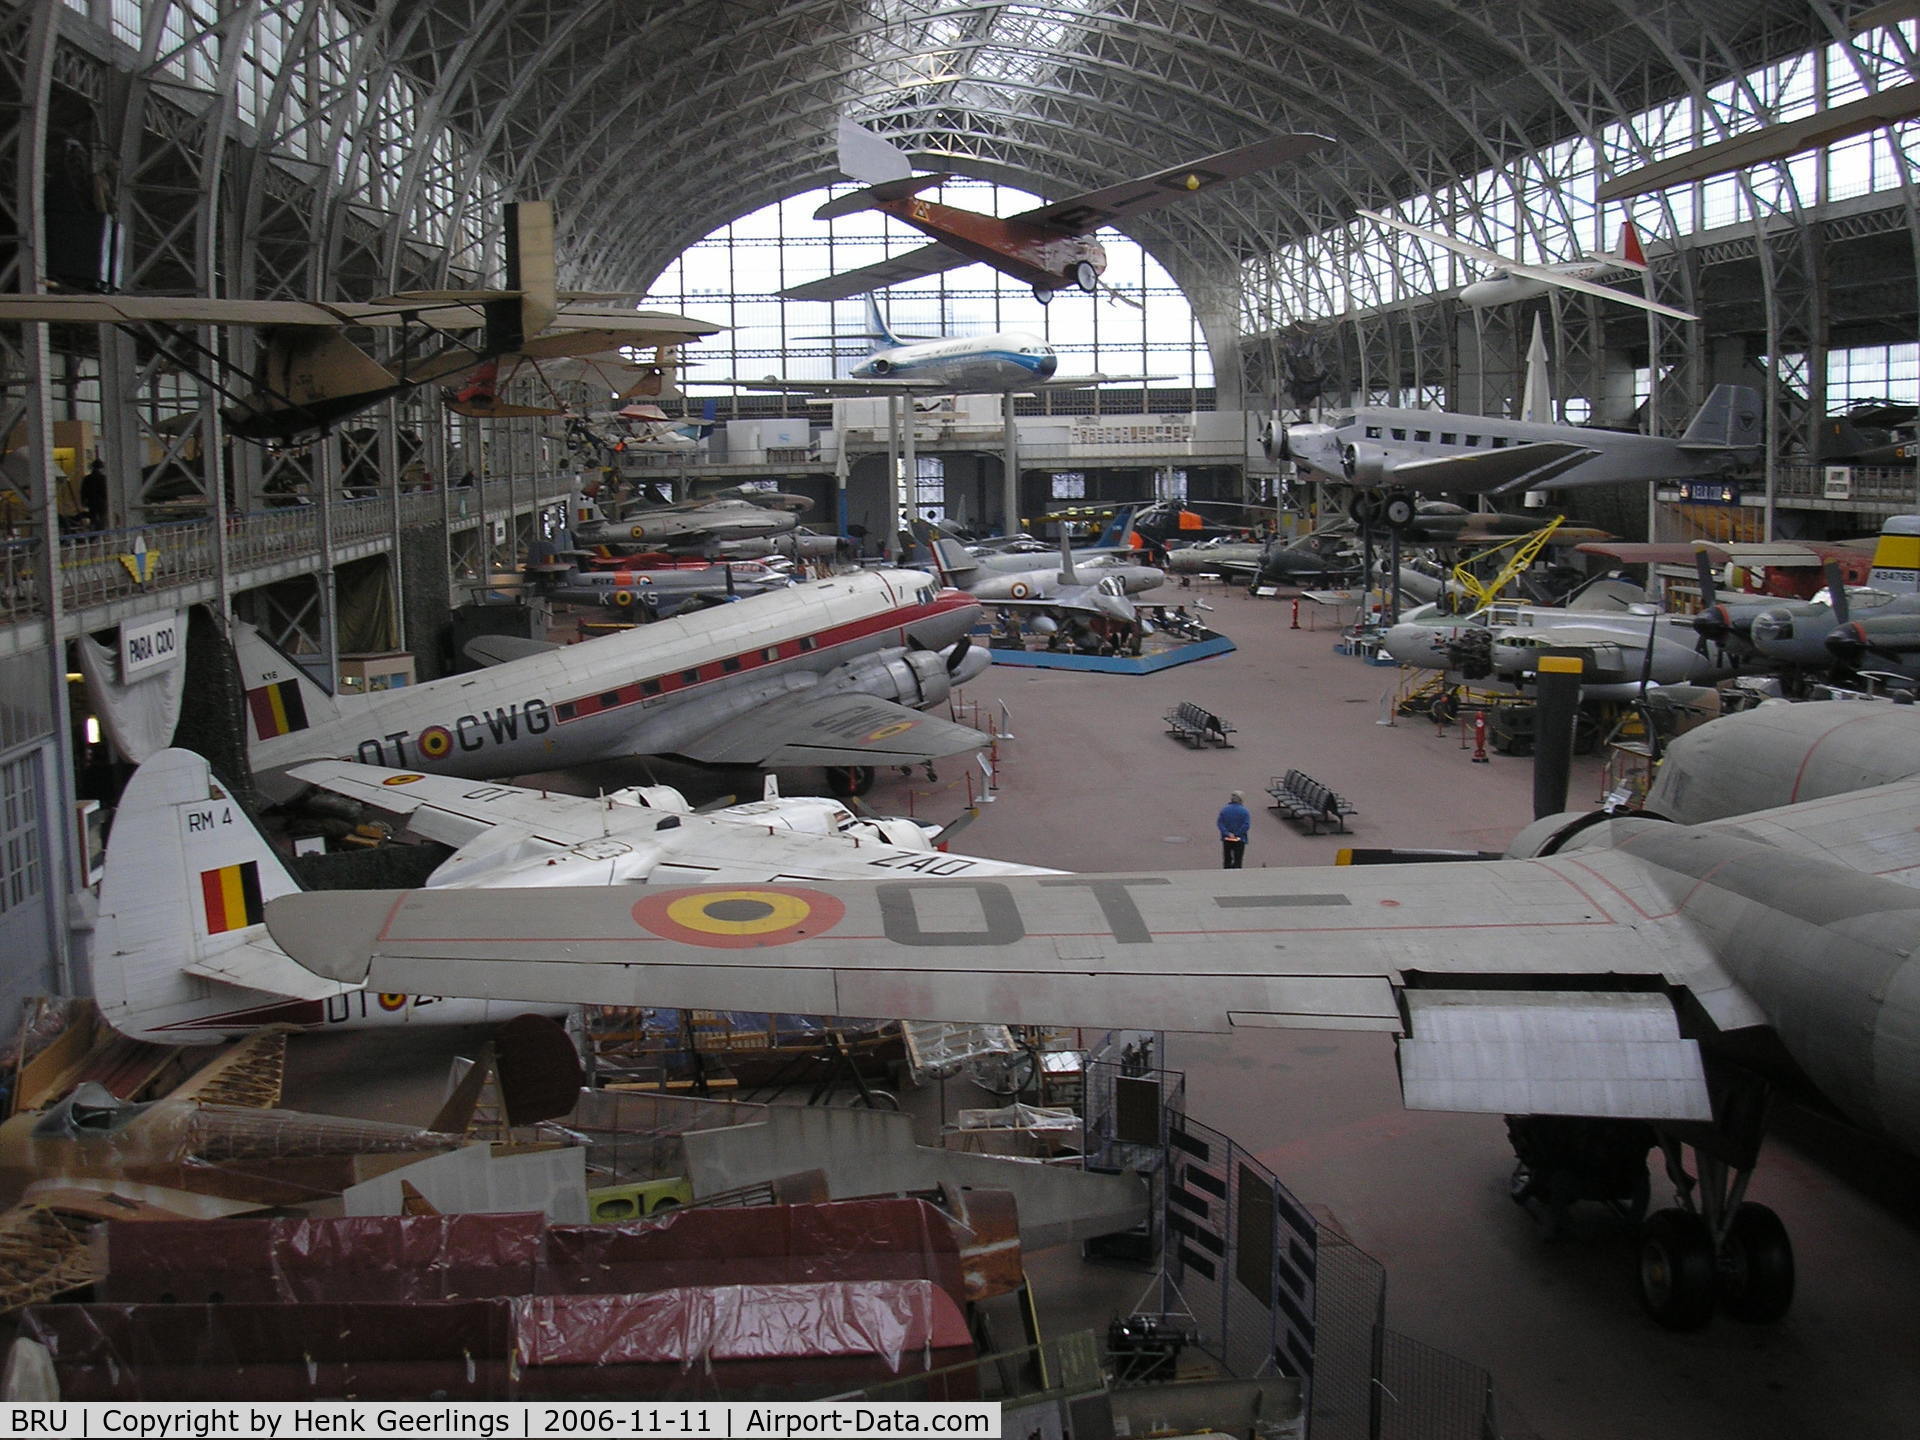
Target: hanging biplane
{"type": "Point", "coordinates": [310, 375]}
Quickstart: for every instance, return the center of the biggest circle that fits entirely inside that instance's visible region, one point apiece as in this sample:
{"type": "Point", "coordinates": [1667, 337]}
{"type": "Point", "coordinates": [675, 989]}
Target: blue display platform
{"type": "Point", "coordinates": [1117, 664]}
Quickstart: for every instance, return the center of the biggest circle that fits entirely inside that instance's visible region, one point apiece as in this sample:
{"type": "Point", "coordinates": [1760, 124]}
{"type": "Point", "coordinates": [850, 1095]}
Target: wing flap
{"type": "Point", "coordinates": [842, 728]}
{"type": "Point", "coordinates": [1556, 1052]}
{"type": "Point", "coordinates": [917, 264]}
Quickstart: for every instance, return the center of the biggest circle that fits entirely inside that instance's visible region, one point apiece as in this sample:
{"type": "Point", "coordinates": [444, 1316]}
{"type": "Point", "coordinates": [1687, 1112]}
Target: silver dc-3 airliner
{"type": "Point", "coordinates": [835, 672]}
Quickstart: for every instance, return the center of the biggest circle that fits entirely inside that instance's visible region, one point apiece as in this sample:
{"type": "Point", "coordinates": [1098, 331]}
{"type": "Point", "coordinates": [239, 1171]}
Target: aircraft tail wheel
{"type": "Point", "coordinates": [1397, 511]}
{"type": "Point", "coordinates": [1676, 1271]}
{"type": "Point", "coordinates": [1085, 276]}
{"type": "Point", "coordinates": [1044, 296]}
{"type": "Point", "coordinates": [846, 781]}
{"type": "Point", "coordinates": [1756, 1266]}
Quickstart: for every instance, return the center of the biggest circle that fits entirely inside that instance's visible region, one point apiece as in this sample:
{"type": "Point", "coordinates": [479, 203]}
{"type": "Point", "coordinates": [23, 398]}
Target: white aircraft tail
{"type": "Point", "coordinates": [181, 955]}
{"type": "Point", "coordinates": [1730, 420]}
{"type": "Point", "coordinates": [282, 698]}
{"type": "Point", "coordinates": [1068, 575]}
{"type": "Point", "coordinates": [877, 327]}
{"type": "Point", "coordinates": [869, 158]}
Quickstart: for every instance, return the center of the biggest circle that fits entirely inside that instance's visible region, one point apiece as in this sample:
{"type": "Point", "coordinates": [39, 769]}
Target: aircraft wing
{"type": "Point", "coordinates": [1491, 471]}
{"type": "Point", "coordinates": [847, 389]}
{"type": "Point", "coordinates": [1083, 214]}
{"type": "Point", "coordinates": [838, 727]}
{"type": "Point", "coordinates": [451, 310]}
{"type": "Point", "coordinates": [1525, 986]}
{"type": "Point", "coordinates": [455, 811]}
{"type": "Point", "coordinates": [916, 264]}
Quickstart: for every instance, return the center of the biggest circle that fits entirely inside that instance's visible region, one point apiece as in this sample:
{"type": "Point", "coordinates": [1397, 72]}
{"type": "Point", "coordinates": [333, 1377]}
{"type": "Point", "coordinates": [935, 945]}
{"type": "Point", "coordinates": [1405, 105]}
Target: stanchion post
{"type": "Point", "coordinates": [1296, 614]}
{"type": "Point", "coordinates": [1480, 738]}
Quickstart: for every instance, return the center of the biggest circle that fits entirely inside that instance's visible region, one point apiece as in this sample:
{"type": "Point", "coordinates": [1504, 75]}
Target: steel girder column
{"type": "Point", "coordinates": [36, 43]}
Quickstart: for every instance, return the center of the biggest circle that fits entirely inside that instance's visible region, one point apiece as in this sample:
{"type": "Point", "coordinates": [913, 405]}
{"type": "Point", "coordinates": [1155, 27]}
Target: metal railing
{"type": "Point", "coordinates": [1867, 484]}
{"type": "Point", "coordinates": [102, 567]}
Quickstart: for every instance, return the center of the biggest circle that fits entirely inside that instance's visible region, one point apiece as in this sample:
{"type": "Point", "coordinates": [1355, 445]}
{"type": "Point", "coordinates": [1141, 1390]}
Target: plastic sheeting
{"type": "Point", "coordinates": [140, 717]}
{"type": "Point", "coordinates": [727, 1342]}
{"type": "Point", "coordinates": [445, 1257]}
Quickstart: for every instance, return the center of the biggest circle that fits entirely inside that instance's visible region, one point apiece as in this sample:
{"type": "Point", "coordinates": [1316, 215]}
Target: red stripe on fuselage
{"type": "Point", "coordinates": [633, 692]}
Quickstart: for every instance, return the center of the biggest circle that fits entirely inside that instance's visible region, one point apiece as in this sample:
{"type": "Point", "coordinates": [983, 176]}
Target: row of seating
{"type": "Point", "coordinates": [1309, 802]}
{"type": "Point", "coordinates": [1190, 724]}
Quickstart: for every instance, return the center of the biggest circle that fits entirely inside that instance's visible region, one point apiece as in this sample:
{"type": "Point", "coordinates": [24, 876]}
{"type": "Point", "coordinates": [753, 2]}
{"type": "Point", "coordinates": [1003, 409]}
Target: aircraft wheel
{"type": "Point", "coordinates": [1085, 276]}
{"type": "Point", "coordinates": [1756, 1266]}
{"type": "Point", "coordinates": [1397, 511]}
{"type": "Point", "coordinates": [1044, 296]}
{"type": "Point", "coordinates": [1676, 1271]}
{"type": "Point", "coordinates": [1364, 507]}
{"type": "Point", "coordinates": [846, 781]}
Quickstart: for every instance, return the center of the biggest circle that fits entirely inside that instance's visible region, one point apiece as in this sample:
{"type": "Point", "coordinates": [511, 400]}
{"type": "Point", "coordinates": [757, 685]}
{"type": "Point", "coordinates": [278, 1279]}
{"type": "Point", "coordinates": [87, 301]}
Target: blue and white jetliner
{"type": "Point", "coordinates": [1001, 363]}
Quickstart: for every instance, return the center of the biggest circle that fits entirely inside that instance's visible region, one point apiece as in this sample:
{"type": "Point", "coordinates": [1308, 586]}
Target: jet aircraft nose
{"type": "Point", "coordinates": [1046, 363]}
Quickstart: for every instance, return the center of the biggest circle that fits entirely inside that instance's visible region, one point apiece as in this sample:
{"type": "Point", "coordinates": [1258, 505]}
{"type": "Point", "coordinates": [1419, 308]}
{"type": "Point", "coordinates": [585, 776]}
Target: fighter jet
{"type": "Point", "coordinates": [659, 593]}
{"type": "Point", "coordinates": [1390, 455]}
{"type": "Point", "coordinates": [1058, 588]}
{"type": "Point", "coordinates": [1626, 971]}
{"type": "Point", "coordinates": [699, 523]}
{"type": "Point", "coordinates": [834, 672]}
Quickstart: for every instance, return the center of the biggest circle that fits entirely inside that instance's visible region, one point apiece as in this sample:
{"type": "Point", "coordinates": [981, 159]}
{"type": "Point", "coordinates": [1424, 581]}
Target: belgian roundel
{"type": "Point", "coordinates": [436, 741]}
{"type": "Point", "coordinates": [738, 918]}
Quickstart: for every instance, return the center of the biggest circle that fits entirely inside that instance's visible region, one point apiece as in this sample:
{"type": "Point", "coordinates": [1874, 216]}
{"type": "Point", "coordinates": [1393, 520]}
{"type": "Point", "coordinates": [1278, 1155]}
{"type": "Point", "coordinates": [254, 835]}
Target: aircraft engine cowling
{"type": "Point", "coordinates": [913, 677]}
{"type": "Point", "coordinates": [1366, 465]}
{"type": "Point", "coordinates": [880, 367]}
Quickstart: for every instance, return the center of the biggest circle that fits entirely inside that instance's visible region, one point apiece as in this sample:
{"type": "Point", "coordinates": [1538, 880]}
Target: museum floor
{"type": "Point", "coordinates": [1092, 782]}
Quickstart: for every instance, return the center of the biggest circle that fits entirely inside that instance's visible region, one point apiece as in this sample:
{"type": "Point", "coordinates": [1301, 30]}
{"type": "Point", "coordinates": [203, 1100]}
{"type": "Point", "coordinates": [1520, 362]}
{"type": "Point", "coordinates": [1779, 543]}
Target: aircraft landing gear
{"type": "Point", "coordinates": [1043, 295]}
{"type": "Point", "coordinates": [1397, 510]}
{"type": "Point", "coordinates": [1085, 276]}
{"type": "Point", "coordinates": [844, 782]}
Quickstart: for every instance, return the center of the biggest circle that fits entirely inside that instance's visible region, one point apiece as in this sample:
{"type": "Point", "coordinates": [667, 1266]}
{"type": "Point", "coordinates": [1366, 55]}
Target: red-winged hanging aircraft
{"type": "Point", "coordinates": [1049, 247]}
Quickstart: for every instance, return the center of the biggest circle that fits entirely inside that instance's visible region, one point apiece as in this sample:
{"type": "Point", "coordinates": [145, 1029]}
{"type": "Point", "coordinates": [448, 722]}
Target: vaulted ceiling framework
{"type": "Point", "coordinates": [305, 147]}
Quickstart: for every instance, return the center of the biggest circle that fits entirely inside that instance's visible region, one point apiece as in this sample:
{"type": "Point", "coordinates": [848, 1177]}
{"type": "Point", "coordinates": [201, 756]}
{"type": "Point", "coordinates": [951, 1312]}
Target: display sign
{"type": "Point", "coordinates": [150, 646]}
{"type": "Point", "coordinates": [1711, 492]}
{"type": "Point", "coordinates": [1837, 482]}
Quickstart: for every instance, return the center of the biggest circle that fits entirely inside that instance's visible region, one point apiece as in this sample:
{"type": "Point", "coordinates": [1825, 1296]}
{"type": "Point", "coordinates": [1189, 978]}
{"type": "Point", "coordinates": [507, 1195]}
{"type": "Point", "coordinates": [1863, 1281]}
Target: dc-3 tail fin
{"type": "Point", "coordinates": [281, 697]}
{"type": "Point", "coordinates": [181, 953]}
{"type": "Point", "coordinates": [1730, 420]}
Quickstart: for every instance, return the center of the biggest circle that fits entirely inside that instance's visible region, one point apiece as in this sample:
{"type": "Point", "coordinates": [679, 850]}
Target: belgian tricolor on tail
{"type": "Point", "coordinates": [277, 709]}
{"type": "Point", "coordinates": [232, 895]}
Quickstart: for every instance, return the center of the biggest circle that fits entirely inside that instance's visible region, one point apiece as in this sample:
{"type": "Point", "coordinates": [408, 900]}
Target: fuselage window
{"type": "Point", "coordinates": [1448, 437]}
{"type": "Point", "coordinates": [690, 677]}
{"type": "Point", "coordinates": [730, 664]}
{"type": "Point", "coordinates": [1424, 437]}
{"type": "Point", "coordinates": [649, 687]}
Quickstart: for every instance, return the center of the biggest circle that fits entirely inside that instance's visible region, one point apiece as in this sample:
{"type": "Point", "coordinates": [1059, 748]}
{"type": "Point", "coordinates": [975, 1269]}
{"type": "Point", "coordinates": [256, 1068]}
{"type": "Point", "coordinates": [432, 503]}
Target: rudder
{"type": "Point", "coordinates": [282, 698]}
{"type": "Point", "coordinates": [1730, 420]}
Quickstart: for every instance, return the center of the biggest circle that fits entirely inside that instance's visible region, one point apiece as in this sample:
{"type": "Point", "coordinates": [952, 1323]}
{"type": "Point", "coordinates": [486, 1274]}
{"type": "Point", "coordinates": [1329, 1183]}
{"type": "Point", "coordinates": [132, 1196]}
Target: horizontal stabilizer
{"type": "Point", "coordinates": [868, 157]}
{"type": "Point", "coordinates": [262, 965]}
{"type": "Point", "coordinates": [853, 203]}
{"type": "Point", "coordinates": [502, 649]}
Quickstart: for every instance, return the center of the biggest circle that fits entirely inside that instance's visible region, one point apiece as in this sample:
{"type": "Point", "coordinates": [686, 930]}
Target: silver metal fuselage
{"type": "Point", "coordinates": [644, 692]}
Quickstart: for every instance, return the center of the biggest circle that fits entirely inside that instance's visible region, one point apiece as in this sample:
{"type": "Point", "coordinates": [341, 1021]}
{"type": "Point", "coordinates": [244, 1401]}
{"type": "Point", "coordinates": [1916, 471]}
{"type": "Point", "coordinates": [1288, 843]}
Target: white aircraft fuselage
{"type": "Point", "coordinates": [970, 364]}
{"type": "Point", "coordinates": [649, 691]}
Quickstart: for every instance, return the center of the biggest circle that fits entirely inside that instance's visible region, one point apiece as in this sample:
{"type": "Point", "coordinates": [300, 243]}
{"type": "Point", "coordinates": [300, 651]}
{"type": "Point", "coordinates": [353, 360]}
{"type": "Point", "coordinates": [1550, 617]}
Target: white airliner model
{"type": "Point", "coordinates": [1615, 968]}
{"type": "Point", "coordinates": [994, 364]}
{"type": "Point", "coordinates": [505, 836]}
{"type": "Point", "coordinates": [832, 672]}
{"type": "Point", "coordinates": [1508, 280]}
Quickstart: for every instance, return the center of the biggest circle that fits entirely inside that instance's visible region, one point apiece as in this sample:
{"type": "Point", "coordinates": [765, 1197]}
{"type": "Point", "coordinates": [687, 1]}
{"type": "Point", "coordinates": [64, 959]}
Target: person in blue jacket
{"type": "Point", "coordinates": [1235, 822]}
